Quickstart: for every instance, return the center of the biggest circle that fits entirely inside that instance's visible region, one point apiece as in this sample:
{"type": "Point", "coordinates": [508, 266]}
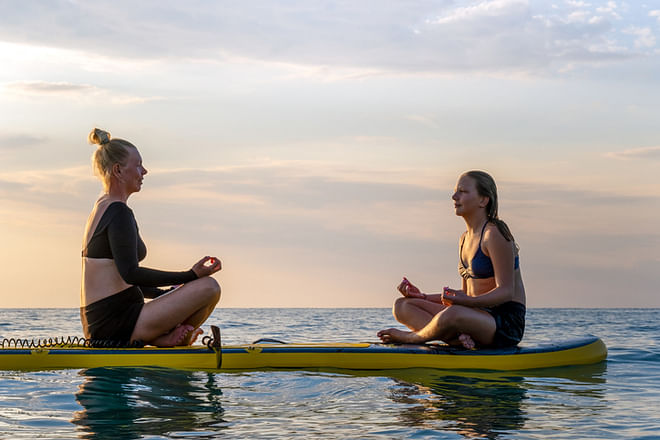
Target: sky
{"type": "Point", "coordinates": [314, 145]}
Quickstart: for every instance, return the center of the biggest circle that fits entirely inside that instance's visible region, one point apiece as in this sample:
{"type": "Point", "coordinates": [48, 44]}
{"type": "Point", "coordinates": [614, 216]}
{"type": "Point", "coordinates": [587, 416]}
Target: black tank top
{"type": "Point", "coordinates": [117, 237]}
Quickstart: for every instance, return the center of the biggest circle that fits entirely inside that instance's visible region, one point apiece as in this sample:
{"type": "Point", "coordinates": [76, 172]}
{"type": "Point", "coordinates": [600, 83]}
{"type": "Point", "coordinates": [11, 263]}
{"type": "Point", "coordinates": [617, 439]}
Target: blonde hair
{"type": "Point", "coordinates": [109, 152]}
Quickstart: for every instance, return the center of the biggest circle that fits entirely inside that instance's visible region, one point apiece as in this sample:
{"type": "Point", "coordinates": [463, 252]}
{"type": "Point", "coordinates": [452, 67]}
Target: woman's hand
{"type": "Point", "coordinates": [409, 290]}
{"type": "Point", "coordinates": [207, 266]}
{"type": "Point", "coordinates": [454, 297]}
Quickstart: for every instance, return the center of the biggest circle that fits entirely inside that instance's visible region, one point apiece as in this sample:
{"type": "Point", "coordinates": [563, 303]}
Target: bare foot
{"type": "Point", "coordinates": [176, 337]}
{"type": "Point", "coordinates": [192, 337]}
{"type": "Point", "coordinates": [466, 341]}
{"type": "Point", "coordinates": [396, 335]}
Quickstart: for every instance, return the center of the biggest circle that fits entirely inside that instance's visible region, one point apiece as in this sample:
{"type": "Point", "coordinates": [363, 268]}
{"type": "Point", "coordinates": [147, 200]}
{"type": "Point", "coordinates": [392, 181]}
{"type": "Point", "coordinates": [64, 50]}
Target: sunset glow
{"type": "Point", "coordinates": [314, 147]}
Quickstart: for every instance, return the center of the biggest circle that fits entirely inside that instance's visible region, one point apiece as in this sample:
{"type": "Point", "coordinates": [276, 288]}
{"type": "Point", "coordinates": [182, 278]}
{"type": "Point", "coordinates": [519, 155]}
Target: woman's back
{"type": "Point", "coordinates": [100, 277]}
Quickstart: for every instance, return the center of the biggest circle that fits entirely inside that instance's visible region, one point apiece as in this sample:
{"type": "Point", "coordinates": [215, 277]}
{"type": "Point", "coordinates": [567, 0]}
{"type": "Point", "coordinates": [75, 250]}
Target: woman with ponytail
{"type": "Point", "coordinates": [114, 285]}
{"type": "Point", "coordinates": [489, 309]}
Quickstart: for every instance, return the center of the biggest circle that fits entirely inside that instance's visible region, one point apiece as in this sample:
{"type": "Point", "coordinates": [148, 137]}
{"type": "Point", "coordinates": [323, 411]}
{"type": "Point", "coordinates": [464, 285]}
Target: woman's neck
{"type": "Point", "coordinates": [475, 222]}
{"type": "Point", "coordinates": [116, 192]}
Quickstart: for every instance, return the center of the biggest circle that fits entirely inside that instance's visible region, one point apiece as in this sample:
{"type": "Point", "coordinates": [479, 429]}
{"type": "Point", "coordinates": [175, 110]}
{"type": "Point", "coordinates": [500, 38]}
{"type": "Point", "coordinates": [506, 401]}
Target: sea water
{"type": "Point", "coordinates": [614, 399]}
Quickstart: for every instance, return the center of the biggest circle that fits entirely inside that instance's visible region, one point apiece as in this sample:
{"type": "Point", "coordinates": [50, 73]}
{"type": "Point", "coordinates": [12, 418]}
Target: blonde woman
{"type": "Point", "coordinates": [489, 309]}
{"type": "Point", "coordinates": [114, 285]}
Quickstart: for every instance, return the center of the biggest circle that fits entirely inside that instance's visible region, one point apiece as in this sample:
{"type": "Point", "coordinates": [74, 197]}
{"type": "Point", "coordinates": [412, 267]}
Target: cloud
{"type": "Point", "coordinates": [293, 192]}
{"type": "Point", "coordinates": [645, 37]}
{"type": "Point", "coordinates": [655, 13]}
{"type": "Point", "coordinates": [286, 192]}
{"type": "Point", "coordinates": [370, 37]}
{"type": "Point", "coordinates": [43, 198]}
{"type": "Point", "coordinates": [286, 217]}
{"type": "Point", "coordinates": [609, 8]}
{"type": "Point", "coordinates": [486, 10]}
{"type": "Point", "coordinates": [329, 193]}
{"type": "Point", "coordinates": [50, 88]}
{"type": "Point", "coordinates": [71, 91]}
{"type": "Point", "coordinates": [577, 4]}
{"type": "Point", "coordinates": [39, 186]}
{"type": "Point", "coordinates": [644, 153]}
{"type": "Point", "coordinates": [19, 141]}
{"type": "Point", "coordinates": [427, 121]}
{"type": "Point", "coordinates": [384, 202]}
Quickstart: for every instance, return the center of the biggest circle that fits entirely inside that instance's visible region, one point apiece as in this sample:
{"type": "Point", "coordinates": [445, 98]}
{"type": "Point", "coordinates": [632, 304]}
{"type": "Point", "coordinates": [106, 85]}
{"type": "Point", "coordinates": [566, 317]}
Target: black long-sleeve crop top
{"type": "Point", "coordinates": [117, 237]}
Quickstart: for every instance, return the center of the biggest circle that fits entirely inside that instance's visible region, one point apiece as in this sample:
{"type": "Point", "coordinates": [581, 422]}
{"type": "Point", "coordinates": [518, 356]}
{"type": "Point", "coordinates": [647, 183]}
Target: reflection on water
{"type": "Point", "coordinates": [136, 402]}
{"type": "Point", "coordinates": [474, 406]}
{"type": "Point", "coordinates": [164, 403]}
{"type": "Point", "coordinates": [489, 404]}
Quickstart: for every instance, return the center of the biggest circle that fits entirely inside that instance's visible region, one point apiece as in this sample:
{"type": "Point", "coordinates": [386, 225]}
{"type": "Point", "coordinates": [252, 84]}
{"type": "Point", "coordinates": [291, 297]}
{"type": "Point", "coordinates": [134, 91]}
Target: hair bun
{"type": "Point", "coordinates": [98, 137]}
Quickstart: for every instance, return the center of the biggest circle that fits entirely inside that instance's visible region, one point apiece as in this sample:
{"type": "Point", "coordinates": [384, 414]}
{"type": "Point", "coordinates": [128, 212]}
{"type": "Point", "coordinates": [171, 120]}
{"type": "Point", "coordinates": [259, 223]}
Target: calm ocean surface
{"type": "Point", "coordinates": [611, 400]}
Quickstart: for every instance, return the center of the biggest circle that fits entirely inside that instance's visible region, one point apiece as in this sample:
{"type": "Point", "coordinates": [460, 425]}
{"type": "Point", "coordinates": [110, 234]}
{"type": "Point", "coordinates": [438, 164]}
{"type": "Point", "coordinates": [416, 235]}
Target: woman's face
{"type": "Point", "coordinates": [132, 172]}
{"type": "Point", "coordinates": [466, 198]}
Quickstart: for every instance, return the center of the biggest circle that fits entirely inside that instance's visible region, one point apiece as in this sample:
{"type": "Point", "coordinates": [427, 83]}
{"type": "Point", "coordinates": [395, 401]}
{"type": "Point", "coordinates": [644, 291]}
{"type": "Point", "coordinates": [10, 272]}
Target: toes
{"type": "Point", "coordinates": [183, 332]}
{"type": "Point", "coordinates": [195, 335]}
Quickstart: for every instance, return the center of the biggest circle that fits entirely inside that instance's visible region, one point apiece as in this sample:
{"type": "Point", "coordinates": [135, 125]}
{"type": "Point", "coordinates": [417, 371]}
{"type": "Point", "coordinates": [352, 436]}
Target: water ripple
{"type": "Point", "coordinates": [609, 400]}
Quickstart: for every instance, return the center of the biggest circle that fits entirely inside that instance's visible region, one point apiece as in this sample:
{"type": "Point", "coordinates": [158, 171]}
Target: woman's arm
{"type": "Point", "coordinates": [123, 238]}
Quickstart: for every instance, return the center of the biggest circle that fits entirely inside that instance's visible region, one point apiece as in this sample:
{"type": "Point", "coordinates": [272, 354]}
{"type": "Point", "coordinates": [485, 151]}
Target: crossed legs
{"type": "Point", "coordinates": [175, 318]}
{"type": "Point", "coordinates": [455, 325]}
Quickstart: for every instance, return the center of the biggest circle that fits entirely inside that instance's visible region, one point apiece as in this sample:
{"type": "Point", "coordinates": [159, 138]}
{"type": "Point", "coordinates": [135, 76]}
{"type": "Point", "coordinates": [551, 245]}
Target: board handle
{"type": "Point", "coordinates": [216, 341]}
{"type": "Point", "coordinates": [215, 344]}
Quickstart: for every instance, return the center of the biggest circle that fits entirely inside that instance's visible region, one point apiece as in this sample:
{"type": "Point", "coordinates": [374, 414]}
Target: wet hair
{"type": "Point", "coordinates": [486, 188]}
{"type": "Point", "coordinates": [109, 152]}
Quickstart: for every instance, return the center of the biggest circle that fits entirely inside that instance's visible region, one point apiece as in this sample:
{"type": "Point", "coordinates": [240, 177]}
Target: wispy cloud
{"type": "Point", "coordinates": [38, 185]}
{"type": "Point", "coordinates": [655, 13]}
{"type": "Point", "coordinates": [332, 198]}
{"type": "Point", "coordinates": [485, 10]}
{"type": "Point", "coordinates": [320, 194]}
{"type": "Point", "coordinates": [71, 91]}
{"type": "Point", "coordinates": [611, 8]}
{"type": "Point", "coordinates": [427, 121]}
{"type": "Point", "coordinates": [19, 141]}
{"type": "Point", "coordinates": [28, 197]}
{"type": "Point", "coordinates": [645, 37]}
{"type": "Point", "coordinates": [345, 215]}
{"type": "Point", "coordinates": [51, 88]}
{"type": "Point", "coordinates": [577, 4]}
{"type": "Point", "coordinates": [643, 153]}
{"type": "Point", "coordinates": [367, 37]}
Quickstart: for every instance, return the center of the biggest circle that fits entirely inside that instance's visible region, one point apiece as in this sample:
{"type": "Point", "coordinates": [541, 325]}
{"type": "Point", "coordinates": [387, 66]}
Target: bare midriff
{"type": "Point", "coordinates": [479, 286]}
{"type": "Point", "coordinates": [101, 279]}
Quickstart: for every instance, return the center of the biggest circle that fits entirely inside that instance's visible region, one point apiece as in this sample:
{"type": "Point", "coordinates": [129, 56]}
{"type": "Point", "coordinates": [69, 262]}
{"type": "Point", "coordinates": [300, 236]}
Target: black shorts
{"type": "Point", "coordinates": [510, 323]}
{"type": "Point", "coordinates": [113, 318]}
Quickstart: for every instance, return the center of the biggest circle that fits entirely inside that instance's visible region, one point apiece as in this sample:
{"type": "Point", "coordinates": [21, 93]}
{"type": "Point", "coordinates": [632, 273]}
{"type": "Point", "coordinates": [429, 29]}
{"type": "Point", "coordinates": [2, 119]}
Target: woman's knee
{"type": "Point", "coordinates": [399, 305]}
{"type": "Point", "coordinates": [453, 317]}
{"type": "Point", "coordinates": [211, 288]}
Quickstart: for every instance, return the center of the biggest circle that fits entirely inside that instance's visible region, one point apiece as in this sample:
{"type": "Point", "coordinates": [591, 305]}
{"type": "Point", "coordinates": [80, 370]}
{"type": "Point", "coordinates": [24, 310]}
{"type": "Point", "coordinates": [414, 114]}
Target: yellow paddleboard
{"type": "Point", "coordinates": [260, 355]}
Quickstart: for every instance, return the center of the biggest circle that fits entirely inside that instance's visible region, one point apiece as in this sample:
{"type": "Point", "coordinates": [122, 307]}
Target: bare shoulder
{"type": "Point", "coordinates": [462, 237]}
{"type": "Point", "coordinates": [103, 204]}
{"type": "Point", "coordinates": [493, 237]}
{"type": "Point", "coordinates": [105, 201]}
{"type": "Point", "coordinates": [100, 207]}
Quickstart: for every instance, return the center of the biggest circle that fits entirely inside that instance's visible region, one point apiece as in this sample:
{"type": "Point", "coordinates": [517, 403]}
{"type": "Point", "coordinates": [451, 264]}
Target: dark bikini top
{"type": "Point", "coordinates": [481, 266]}
{"type": "Point", "coordinates": [117, 237]}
